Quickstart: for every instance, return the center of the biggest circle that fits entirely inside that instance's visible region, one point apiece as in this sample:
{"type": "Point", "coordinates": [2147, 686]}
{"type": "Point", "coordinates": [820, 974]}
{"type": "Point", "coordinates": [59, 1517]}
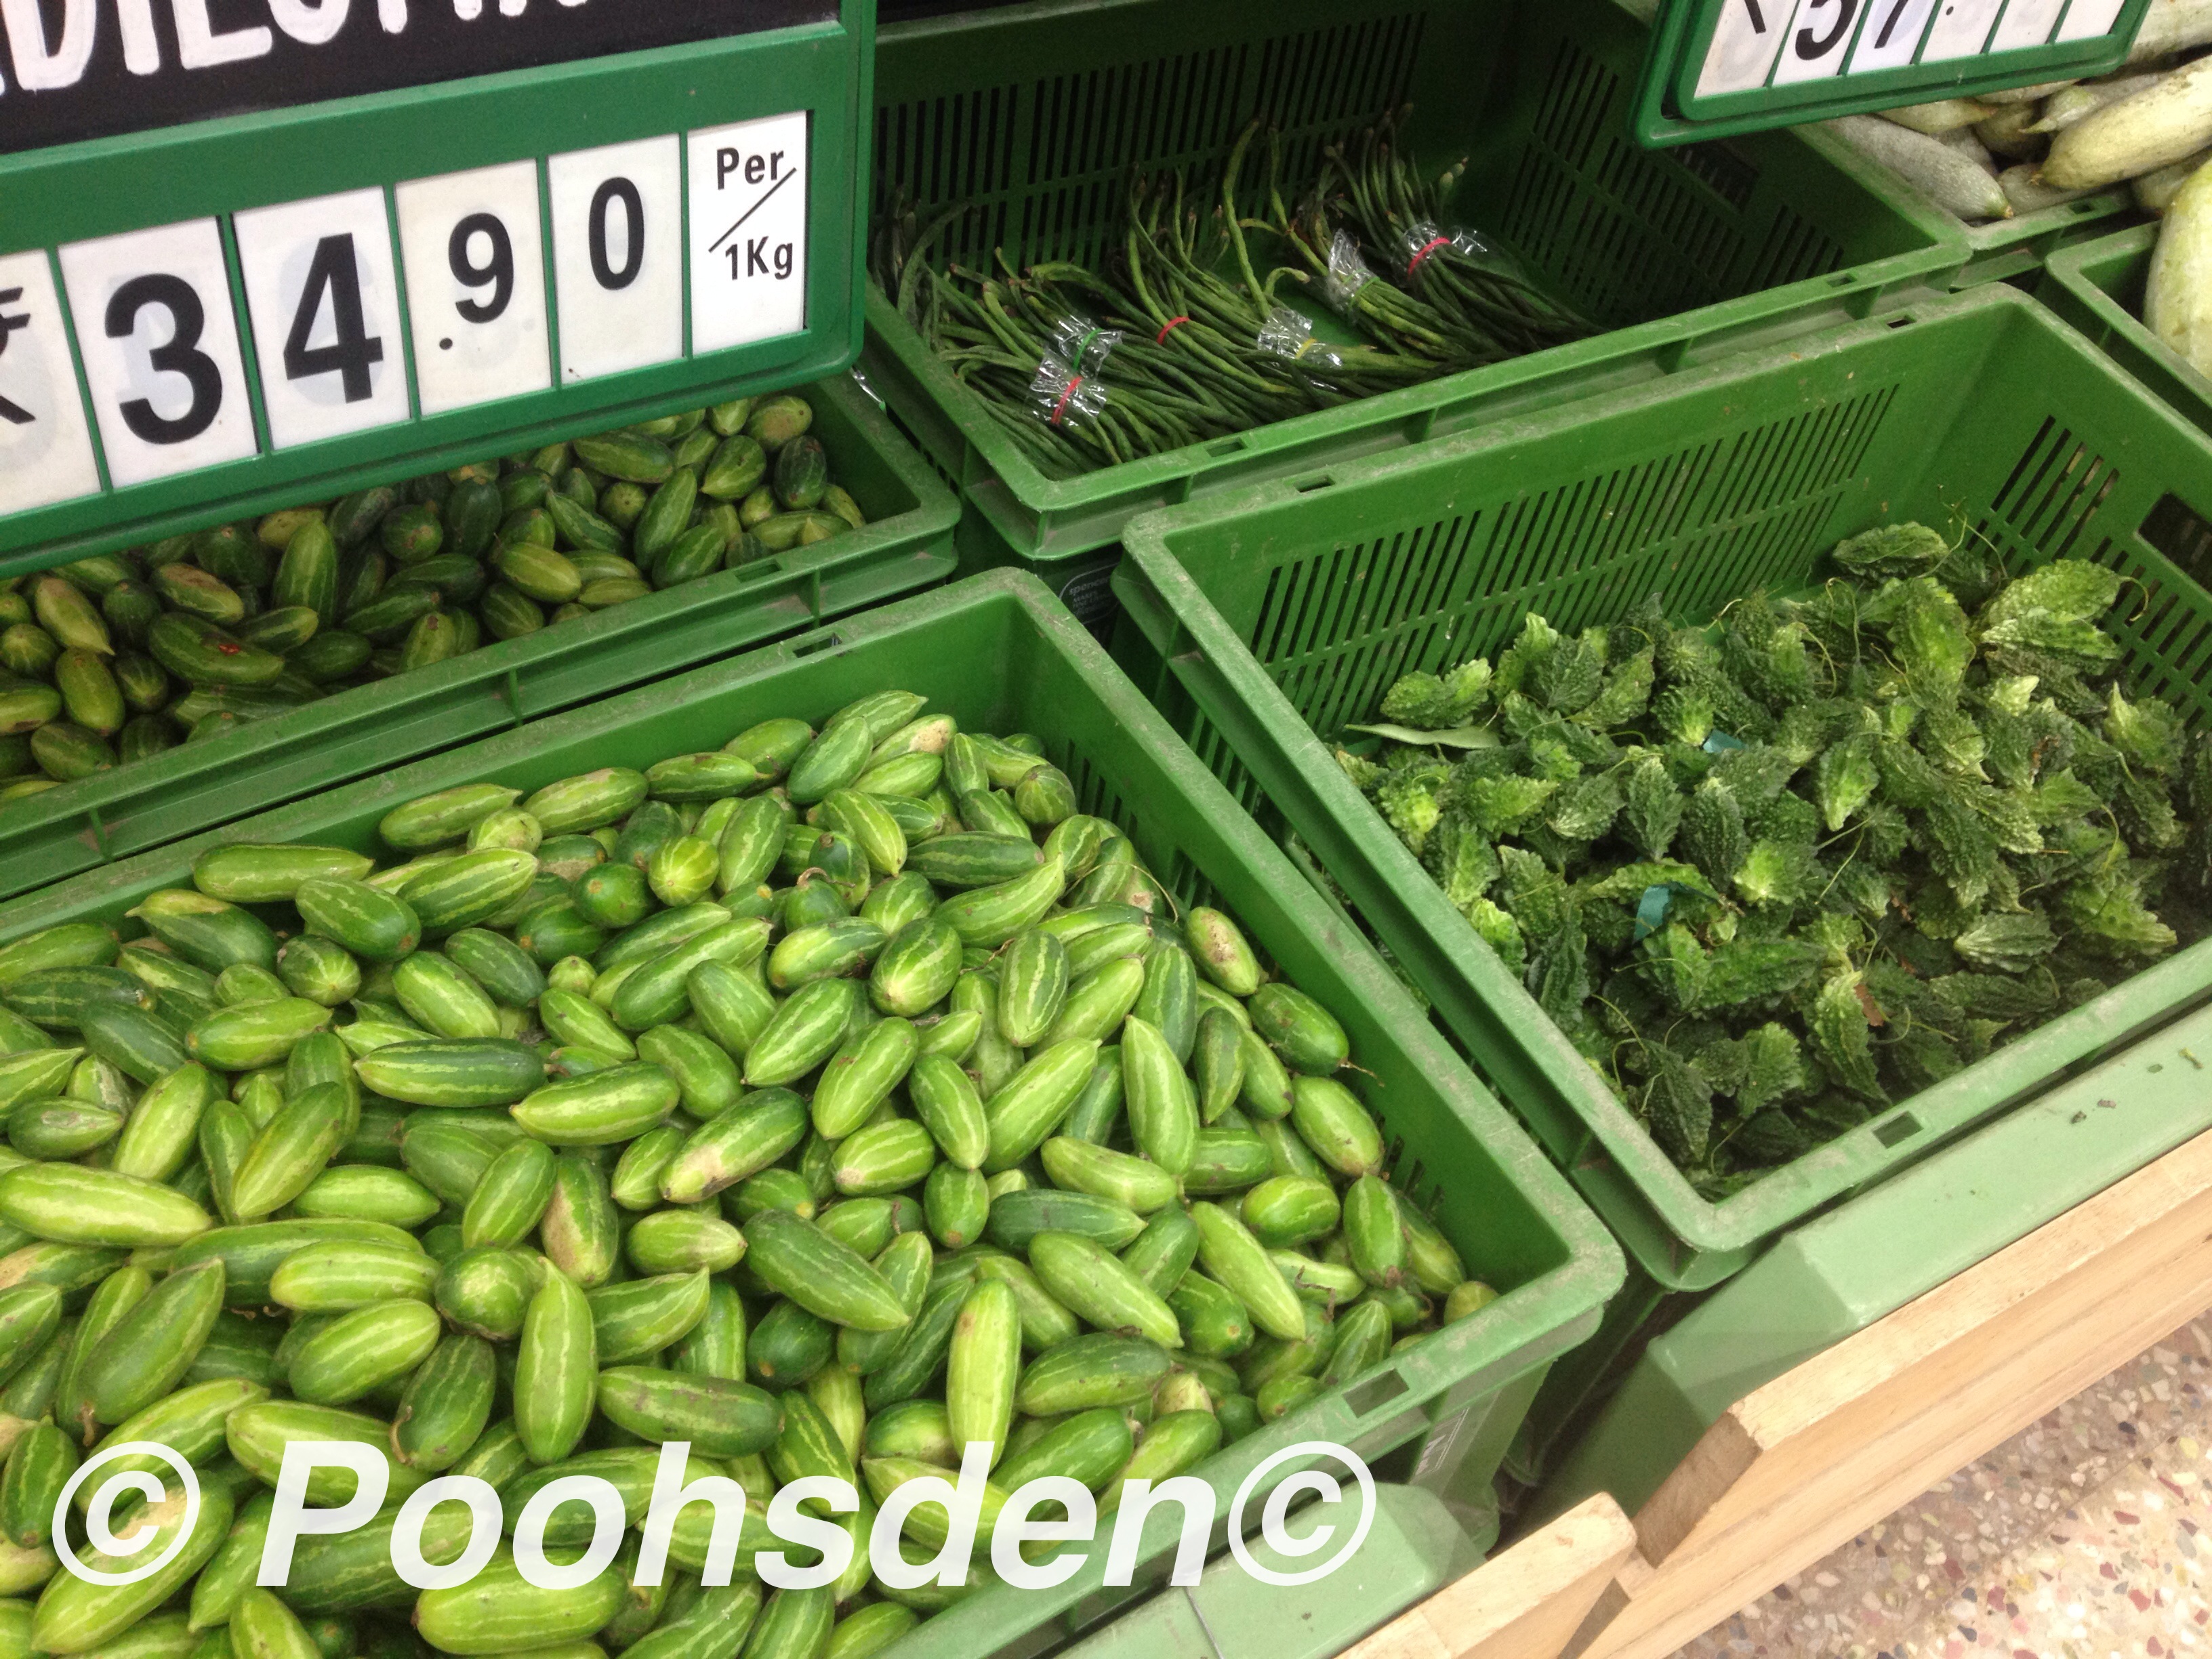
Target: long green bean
{"type": "Point", "coordinates": [1196, 322]}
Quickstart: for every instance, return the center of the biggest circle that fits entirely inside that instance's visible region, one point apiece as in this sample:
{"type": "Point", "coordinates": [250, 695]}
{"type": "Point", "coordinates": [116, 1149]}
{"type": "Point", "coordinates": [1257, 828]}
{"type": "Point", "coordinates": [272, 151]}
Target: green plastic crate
{"type": "Point", "coordinates": [1039, 112]}
{"type": "Point", "coordinates": [1977, 409]}
{"type": "Point", "coordinates": [1839, 1273]}
{"type": "Point", "coordinates": [998, 652]}
{"type": "Point", "coordinates": [2005, 249]}
{"type": "Point", "coordinates": [1416, 1548]}
{"type": "Point", "coordinates": [2099, 287]}
{"type": "Point", "coordinates": [907, 545]}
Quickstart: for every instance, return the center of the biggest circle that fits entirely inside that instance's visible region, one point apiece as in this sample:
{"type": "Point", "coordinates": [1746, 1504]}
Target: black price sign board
{"type": "Point", "coordinates": [94, 69]}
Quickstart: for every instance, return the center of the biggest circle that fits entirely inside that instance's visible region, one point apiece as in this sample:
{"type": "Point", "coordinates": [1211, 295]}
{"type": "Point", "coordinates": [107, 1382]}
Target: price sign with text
{"type": "Point", "coordinates": [206, 312]}
{"type": "Point", "coordinates": [1717, 67]}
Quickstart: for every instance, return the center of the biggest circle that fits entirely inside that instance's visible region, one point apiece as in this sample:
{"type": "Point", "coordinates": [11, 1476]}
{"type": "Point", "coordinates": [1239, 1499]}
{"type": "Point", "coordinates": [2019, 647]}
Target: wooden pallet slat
{"type": "Point", "coordinates": [1525, 1603]}
{"type": "Point", "coordinates": [1799, 1466]}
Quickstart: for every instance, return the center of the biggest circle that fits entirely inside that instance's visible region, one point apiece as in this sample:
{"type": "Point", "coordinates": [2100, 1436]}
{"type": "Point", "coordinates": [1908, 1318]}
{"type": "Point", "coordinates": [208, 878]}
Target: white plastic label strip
{"type": "Point", "coordinates": [2027, 23]}
{"type": "Point", "coordinates": [2088, 19]}
{"type": "Point", "coordinates": [1819, 40]}
{"type": "Point", "coordinates": [1962, 30]}
{"type": "Point", "coordinates": [475, 285]}
{"type": "Point", "coordinates": [1891, 39]}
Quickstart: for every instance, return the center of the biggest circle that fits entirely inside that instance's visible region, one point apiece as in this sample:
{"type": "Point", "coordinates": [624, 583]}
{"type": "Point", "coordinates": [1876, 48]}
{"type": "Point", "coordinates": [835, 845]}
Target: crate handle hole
{"type": "Point", "coordinates": [1901, 322]}
{"type": "Point", "coordinates": [1375, 1391]}
{"type": "Point", "coordinates": [1227, 447]}
{"type": "Point", "coordinates": [759, 571]}
{"type": "Point", "coordinates": [1307, 486]}
{"type": "Point", "coordinates": [1898, 1130]}
{"type": "Point", "coordinates": [820, 642]}
{"type": "Point", "coordinates": [1843, 280]}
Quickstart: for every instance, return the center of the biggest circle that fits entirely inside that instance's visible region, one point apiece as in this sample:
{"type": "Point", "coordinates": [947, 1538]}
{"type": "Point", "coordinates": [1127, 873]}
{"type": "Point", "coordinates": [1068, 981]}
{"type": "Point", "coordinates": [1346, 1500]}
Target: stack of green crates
{"type": "Point", "coordinates": [907, 545]}
{"type": "Point", "coordinates": [1265, 622]}
{"type": "Point", "coordinates": [998, 653]}
{"type": "Point", "coordinates": [1037, 115]}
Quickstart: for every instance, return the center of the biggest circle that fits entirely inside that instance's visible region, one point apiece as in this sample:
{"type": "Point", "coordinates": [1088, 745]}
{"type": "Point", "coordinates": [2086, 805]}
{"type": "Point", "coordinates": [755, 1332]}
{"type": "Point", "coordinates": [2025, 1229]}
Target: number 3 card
{"type": "Point", "coordinates": [160, 344]}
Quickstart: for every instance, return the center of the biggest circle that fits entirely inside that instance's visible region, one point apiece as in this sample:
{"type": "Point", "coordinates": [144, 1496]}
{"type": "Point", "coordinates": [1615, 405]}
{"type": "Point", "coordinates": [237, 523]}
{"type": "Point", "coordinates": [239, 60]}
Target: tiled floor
{"type": "Point", "coordinates": [2088, 1537]}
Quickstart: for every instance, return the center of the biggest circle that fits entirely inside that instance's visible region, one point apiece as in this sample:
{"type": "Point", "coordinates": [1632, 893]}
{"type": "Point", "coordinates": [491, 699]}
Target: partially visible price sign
{"type": "Point", "coordinates": [202, 319]}
{"type": "Point", "coordinates": [1717, 67]}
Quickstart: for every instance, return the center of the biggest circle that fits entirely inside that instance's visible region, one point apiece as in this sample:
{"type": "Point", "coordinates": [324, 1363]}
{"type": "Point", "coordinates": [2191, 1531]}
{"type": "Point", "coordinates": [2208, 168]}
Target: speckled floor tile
{"type": "Point", "coordinates": [2086, 1536]}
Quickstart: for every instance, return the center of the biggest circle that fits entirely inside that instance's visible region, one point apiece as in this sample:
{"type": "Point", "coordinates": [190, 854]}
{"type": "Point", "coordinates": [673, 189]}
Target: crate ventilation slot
{"type": "Point", "coordinates": [1699, 525]}
{"type": "Point", "coordinates": [2175, 530]}
{"type": "Point", "coordinates": [2172, 637]}
{"type": "Point", "coordinates": [1045, 162]}
{"type": "Point", "coordinates": [1727, 174]}
{"type": "Point", "coordinates": [2054, 492]}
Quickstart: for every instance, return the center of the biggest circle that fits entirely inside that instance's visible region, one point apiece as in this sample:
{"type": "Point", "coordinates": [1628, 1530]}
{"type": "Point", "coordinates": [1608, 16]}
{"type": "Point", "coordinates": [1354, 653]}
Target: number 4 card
{"type": "Point", "coordinates": [326, 311]}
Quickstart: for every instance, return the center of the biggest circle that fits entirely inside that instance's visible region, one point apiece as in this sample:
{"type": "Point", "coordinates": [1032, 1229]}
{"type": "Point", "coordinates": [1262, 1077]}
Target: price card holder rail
{"type": "Point", "coordinates": [208, 321]}
{"type": "Point", "coordinates": [1718, 67]}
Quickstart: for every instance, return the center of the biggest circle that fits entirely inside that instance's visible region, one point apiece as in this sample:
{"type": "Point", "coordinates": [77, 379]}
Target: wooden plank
{"type": "Point", "coordinates": [1799, 1466]}
{"type": "Point", "coordinates": [1526, 1604]}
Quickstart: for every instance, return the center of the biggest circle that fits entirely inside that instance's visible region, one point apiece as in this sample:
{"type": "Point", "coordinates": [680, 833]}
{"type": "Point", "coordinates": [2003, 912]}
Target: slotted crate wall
{"type": "Point", "coordinates": [1267, 623]}
{"type": "Point", "coordinates": [1035, 118]}
{"type": "Point", "coordinates": [2100, 288]}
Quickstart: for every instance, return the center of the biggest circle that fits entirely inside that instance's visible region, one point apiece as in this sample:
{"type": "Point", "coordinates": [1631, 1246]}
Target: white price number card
{"type": "Point", "coordinates": [1891, 39]}
{"type": "Point", "coordinates": [748, 232]}
{"type": "Point", "coordinates": [618, 256]}
{"type": "Point", "coordinates": [45, 448]}
{"type": "Point", "coordinates": [320, 290]}
{"type": "Point", "coordinates": [1961, 29]}
{"type": "Point", "coordinates": [1819, 40]}
{"type": "Point", "coordinates": [1745, 41]}
{"type": "Point", "coordinates": [159, 343]}
{"type": "Point", "coordinates": [2027, 23]}
{"type": "Point", "coordinates": [2088, 19]}
{"type": "Point", "coordinates": [475, 286]}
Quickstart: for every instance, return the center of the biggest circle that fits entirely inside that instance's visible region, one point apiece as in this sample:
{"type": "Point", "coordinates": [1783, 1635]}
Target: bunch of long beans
{"type": "Point", "coordinates": [1485, 302]}
{"type": "Point", "coordinates": [1181, 339]}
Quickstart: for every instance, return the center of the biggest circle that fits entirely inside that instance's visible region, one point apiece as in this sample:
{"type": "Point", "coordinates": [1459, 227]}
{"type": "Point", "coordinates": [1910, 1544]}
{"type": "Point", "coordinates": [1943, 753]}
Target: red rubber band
{"type": "Point", "coordinates": [1174, 322]}
{"type": "Point", "coordinates": [1065, 392]}
{"type": "Point", "coordinates": [1433, 246]}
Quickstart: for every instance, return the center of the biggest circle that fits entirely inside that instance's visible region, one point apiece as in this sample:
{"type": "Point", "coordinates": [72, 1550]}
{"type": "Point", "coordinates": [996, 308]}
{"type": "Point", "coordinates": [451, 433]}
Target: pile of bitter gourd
{"type": "Point", "coordinates": [1774, 875]}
